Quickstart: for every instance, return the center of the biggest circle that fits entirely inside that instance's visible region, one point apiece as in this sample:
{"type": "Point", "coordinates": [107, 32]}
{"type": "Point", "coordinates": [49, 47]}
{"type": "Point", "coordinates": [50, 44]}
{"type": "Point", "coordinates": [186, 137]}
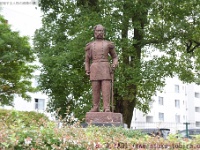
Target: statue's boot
{"type": "Point", "coordinates": [94, 109]}
{"type": "Point", "coordinates": [106, 88]}
{"type": "Point", "coordinates": [96, 87]}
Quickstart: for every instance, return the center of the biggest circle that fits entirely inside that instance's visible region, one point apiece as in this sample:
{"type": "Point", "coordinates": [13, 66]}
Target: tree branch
{"type": "Point", "coordinates": [189, 47]}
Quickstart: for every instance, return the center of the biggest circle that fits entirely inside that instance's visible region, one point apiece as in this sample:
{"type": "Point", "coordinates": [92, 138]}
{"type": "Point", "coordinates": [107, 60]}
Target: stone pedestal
{"type": "Point", "coordinates": [104, 118]}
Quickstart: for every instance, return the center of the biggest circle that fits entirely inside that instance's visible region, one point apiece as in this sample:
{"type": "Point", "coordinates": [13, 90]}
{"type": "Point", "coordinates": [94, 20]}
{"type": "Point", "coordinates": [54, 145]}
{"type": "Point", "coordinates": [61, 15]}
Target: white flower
{"type": "Point", "coordinates": [28, 140]}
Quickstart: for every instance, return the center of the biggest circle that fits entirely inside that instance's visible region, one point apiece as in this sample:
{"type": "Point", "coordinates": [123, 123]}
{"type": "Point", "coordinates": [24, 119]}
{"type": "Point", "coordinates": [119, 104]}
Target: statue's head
{"type": "Point", "coordinates": [99, 31]}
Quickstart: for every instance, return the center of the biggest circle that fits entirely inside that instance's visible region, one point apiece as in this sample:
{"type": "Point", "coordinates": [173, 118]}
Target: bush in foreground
{"type": "Point", "coordinates": [27, 118]}
{"type": "Point", "coordinates": [47, 136]}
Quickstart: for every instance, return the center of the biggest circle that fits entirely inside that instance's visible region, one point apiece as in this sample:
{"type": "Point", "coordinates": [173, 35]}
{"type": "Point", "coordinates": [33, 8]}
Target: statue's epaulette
{"type": "Point", "coordinates": [88, 43]}
{"type": "Point", "coordinates": [87, 47]}
{"type": "Point", "coordinates": [111, 45]}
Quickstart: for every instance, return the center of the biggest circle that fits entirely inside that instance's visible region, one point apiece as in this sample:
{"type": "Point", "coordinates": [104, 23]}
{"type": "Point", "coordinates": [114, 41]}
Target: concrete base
{"type": "Point", "coordinates": [84, 125]}
{"type": "Point", "coordinates": [108, 118]}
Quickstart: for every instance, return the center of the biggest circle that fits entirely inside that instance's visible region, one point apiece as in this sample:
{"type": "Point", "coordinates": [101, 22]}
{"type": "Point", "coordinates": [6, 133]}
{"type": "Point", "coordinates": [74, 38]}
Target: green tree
{"type": "Point", "coordinates": [154, 40]}
{"type": "Point", "coordinates": [15, 69]}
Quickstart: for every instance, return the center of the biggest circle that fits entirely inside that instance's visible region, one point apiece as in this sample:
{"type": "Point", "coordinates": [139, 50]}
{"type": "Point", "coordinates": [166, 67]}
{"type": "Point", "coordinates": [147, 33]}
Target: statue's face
{"type": "Point", "coordinates": [99, 32]}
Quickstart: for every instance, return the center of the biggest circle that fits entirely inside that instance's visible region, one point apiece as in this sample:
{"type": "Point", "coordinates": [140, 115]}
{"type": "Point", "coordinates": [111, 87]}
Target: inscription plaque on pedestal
{"type": "Point", "coordinates": [104, 118]}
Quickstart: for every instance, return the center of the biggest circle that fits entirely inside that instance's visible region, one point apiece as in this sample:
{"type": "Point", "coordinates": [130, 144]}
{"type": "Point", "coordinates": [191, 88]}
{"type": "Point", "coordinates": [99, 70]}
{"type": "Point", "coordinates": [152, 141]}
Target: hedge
{"type": "Point", "coordinates": [47, 136]}
{"type": "Point", "coordinates": [27, 118]}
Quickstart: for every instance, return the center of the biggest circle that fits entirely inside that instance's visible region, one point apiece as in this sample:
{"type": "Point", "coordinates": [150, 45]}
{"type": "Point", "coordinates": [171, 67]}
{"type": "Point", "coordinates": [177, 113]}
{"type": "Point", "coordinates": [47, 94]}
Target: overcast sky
{"type": "Point", "coordinates": [23, 18]}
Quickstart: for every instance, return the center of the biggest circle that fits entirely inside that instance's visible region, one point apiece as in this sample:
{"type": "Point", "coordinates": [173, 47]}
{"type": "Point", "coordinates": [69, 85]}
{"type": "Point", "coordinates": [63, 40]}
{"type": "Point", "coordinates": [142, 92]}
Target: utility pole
{"type": "Point", "coordinates": [186, 129]}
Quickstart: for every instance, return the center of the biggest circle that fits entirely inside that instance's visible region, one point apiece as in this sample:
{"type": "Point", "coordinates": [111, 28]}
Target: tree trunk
{"type": "Point", "coordinates": [128, 111]}
{"type": "Point", "coordinates": [126, 105]}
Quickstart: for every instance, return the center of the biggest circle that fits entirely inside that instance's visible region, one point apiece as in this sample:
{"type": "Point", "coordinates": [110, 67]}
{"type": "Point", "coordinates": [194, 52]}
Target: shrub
{"type": "Point", "coordinates": [47, 136]}
{"type": "Point", "coordinates": [14, 117]}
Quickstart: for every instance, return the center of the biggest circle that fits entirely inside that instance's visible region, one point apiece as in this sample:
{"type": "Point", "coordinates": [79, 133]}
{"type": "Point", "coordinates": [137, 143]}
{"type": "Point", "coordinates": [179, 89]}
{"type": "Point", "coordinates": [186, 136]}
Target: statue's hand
{"type": "Point", "coordinates": [113, 66]}
{"type": "Point", "coordinates": [87, 73]}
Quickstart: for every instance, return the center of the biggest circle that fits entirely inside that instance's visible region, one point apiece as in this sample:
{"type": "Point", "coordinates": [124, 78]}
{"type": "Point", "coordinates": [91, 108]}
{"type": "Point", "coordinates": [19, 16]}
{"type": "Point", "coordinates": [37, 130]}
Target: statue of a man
{"type": "Point", "coordinates": [98, 67]}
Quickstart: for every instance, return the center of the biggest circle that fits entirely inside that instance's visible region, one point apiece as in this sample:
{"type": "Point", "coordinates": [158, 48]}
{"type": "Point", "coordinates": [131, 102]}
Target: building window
{"type": "Point", "coordinates": [177, 88]}
{"type": "Point", "coordinates": [161, 116]}
{"type": "Point", "coordinates": [39, 104]}
{"type": "Point", "coordinates": [36, 81]}
{"type": "Point", "coordinates": [177, 103]}
{"type": "Point", "coordinates": [197, 95]}
{"type": "Point", "coordinates": [177, 118]}
{"type": "Point", "coordinates": [149, 119]}
{"type": "Point", "coordinates": [160, 100]}
{"type": "Point", "coordinates": [197, 124]}
{"type": "Point", "coordinates": [151, 103]}
{"type": "Point", "coordinates": [197, 109]}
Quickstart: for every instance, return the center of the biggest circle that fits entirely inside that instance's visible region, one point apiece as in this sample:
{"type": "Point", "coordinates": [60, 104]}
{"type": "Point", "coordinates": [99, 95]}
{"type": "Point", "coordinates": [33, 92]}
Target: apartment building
{"type": "Point", "coordinates": [38, 101]}
{"type": "Point", "coordinates": [176, 106]}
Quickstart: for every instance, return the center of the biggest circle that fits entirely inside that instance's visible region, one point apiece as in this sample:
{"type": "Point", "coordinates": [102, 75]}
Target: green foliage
{"type": "Point", "coordinates": [43, 134]}
{"type": "Point", "coordinates": [11, 118]}
{"type": "Point", "coordinates": [15, 69]}
{"type": "Point", "coordinates": [47, 136]}
{"type": "Point", "coordinates": [154, 40]}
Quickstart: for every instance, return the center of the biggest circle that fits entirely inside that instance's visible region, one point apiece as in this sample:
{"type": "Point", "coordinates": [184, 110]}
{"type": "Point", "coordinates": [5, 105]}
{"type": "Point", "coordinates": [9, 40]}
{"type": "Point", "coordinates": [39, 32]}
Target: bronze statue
{"type": "Point", "coordinates": [98, 67]}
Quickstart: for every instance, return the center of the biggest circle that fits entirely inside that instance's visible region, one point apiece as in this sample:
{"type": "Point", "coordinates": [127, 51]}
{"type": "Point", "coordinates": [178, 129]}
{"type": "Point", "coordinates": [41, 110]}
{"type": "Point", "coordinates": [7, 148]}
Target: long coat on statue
{"type": "Point", "coordinates": [97, 59]}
